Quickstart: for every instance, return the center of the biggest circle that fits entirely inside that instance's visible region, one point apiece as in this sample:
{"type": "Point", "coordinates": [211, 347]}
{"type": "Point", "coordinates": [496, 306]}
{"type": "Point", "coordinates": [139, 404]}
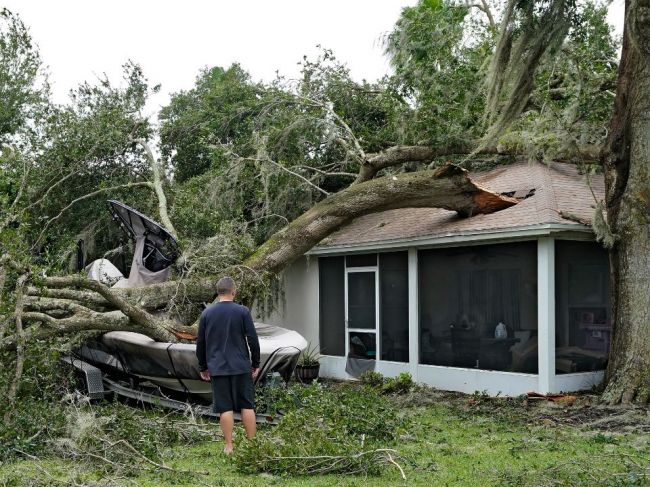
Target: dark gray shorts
{"type": "Point", "coordinates": [232, 392]}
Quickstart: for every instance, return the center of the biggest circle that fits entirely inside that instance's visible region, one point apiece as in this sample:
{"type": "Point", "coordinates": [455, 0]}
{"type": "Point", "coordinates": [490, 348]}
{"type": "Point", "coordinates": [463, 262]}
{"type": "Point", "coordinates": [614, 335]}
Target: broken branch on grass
{"type": "Point", "coordinates": [323, 464]}
{"type": "Point", "coordinates": [161, 466]}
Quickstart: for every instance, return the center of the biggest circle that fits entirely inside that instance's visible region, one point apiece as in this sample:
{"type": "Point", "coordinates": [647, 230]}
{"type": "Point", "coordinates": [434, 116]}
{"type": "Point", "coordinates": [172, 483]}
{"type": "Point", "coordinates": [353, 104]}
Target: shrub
{"type": "Point", "coordinates": [372, 379]}
{"type": "Point", "coordinates": [401, 384]}
{"type": "Point", "coordinates": [37, 413]}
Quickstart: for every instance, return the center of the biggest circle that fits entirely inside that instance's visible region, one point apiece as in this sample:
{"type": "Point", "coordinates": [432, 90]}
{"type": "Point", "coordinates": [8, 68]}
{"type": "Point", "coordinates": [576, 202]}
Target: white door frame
{"type": "Point", "coordinates": [375, 330]}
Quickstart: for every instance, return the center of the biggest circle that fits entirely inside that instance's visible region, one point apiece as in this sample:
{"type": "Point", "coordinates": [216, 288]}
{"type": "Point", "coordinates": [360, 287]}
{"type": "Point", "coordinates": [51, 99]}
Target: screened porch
{"type": "Point", "coordinates": [503, 317]}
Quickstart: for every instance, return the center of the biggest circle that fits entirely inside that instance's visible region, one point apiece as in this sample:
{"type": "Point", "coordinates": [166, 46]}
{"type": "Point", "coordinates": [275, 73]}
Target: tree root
{"type": "Point", "coordinates": [628, 384]}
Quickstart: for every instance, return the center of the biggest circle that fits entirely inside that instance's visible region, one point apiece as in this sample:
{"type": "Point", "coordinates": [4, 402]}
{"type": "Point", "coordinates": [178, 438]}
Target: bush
{"type": "Point", "coordinates": [37, 413]}
{"type": "Point", "coordinates": [343, 429]}
{"type": "Point", "coordinates": [401, 384]}
{"type": "Point", "coordinates": [372, 379]}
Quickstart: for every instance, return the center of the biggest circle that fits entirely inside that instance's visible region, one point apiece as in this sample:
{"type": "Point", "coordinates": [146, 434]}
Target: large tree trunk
{"type": "Point", "coordinates": [627, 177]}
{"type": "Point", "coordinates": [64, 304]}
{"type": "Point", "coordinates": [448, 187]}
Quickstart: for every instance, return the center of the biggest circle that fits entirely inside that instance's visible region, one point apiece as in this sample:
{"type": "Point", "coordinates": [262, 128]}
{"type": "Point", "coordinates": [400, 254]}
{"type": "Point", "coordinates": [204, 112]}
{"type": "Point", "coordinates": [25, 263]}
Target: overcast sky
{"type": "Point", "coordinates": [173, 40]}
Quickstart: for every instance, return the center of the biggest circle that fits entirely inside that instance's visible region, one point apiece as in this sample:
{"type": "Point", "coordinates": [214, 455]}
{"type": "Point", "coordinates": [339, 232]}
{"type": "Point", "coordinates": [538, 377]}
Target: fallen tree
{"type": "Point", "coordinates": [54, 306]}
{"type": "Point", "coordinates": [60, 305]}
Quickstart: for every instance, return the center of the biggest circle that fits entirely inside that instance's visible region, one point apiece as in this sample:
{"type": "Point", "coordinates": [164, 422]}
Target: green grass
{"type": "Point", "coordinates": [450, 440]}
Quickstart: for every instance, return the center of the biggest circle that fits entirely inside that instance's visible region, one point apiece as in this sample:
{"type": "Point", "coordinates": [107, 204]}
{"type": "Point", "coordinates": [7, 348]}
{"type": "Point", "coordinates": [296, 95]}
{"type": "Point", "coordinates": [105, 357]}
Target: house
{"type": "Point", "coordinates": [506, 303]}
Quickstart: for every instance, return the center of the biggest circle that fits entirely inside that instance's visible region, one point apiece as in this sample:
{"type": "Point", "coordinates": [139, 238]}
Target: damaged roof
{"type": "Point", "coordinates": [544, 191]}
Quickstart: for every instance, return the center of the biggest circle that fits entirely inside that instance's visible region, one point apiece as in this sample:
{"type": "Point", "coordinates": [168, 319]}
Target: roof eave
{"type": "Point", "coordinates": [567, 230]}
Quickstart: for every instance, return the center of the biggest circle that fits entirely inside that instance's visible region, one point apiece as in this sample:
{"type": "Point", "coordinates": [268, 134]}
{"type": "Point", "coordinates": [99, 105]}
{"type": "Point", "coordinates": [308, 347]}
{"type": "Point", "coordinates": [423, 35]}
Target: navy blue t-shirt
{"type": "Point", "coordinates": [226, 334]}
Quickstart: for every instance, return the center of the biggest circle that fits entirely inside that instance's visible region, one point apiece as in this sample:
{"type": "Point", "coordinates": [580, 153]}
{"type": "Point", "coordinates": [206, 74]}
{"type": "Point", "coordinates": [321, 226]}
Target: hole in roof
{"type": "Point", "coordinates": [520, 194]}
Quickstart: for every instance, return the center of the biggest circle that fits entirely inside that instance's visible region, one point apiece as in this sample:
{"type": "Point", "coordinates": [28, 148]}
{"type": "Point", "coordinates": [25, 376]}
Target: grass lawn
{"type": "Point", "coordinates": [450, 439]}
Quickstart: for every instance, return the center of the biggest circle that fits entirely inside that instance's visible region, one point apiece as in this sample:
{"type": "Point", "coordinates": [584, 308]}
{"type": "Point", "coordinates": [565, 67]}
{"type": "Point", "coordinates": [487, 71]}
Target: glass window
{"type": "Point", "coordinates": [332, 305]}
{"type": "Point", "coordinates": [394, 306]}
{"type": "Point", "coordinates": [478, 307]}
{"type": "Point", "coordinates": [582, 319]}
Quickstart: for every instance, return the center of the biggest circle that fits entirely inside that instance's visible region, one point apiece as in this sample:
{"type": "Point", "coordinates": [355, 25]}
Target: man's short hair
{"type": "Point", "coordinates": [225, 285]}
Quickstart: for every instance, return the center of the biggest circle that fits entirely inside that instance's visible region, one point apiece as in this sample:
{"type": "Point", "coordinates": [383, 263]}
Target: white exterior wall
{"type": "Point", "coordinates": [300, 312]}
{"type": "Point", "coordinates": [298, 308]}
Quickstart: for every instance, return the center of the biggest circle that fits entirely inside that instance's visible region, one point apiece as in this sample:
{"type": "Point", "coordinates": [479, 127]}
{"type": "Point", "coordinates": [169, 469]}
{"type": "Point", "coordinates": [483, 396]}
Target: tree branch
{"type": "Point", "coordinates": [156, 327]}
{"type": "Point", "coordinates": [20, 343]}
{"type": "Point", "coordinates": [485, 8]}
{"type": "Point", "coordinates": [111, 321]}
{"type": "Point", "coordinates": [90, 297]}
{"type": "Point", "coordinates": [401, 154]}
{"type": "Point", "coordinates": [328, 173]}
{"type": "Point", "coordinates": [158, 188]}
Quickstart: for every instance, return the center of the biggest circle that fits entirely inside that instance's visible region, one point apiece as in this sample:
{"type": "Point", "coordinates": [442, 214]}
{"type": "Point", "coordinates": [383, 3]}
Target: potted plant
{"type": "Point", "coordinates": [308, 365]}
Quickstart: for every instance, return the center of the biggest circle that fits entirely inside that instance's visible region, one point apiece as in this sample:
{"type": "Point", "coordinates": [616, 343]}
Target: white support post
{"type": "Point", "coordinates": [414, 351]}
{"type": "Point", "coordinates": [546, 313]}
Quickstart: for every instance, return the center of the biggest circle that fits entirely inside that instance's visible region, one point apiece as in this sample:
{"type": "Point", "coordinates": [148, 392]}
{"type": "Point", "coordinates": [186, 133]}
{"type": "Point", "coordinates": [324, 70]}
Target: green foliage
{"type": "Point", "coordinates": [38, 413]}
{"type": "Point", "coordinates": [73, 150]}
{"type": "Point", "coordinates": [322, 421]}
{"type": "Point", "coordinates": [372, 379]}
{"type": "Point", "coordinates": [309, 357]}
{"type": "Point", "coordinates": [574, 90]}
{"type": "Point", "coordinates": [23, 85]}
{"type": "Point", "coordinates": [121, 439]}
{"type": "Point", "coordinates": [438, 51]}
{"type": "Point", "coordinates": [221, 108]}
{"type": "Point", "coordinates": [446, 439]}
{"type": "Point", "coordinates": [257, 152]}
{"type": "Point", "coordinates": [51, 419]}
{"type": "Point", "coordinates": [400, 384]}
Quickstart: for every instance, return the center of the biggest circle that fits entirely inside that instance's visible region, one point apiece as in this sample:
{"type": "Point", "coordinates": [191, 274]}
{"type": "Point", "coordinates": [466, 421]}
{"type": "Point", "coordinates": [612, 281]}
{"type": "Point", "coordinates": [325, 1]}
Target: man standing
{"type": "Point", "coordinates": [229, 355]}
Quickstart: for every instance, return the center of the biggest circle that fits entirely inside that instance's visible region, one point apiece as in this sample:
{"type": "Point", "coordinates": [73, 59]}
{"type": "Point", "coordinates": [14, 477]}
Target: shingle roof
{"type": "Point", "coordinates": [558, 187]}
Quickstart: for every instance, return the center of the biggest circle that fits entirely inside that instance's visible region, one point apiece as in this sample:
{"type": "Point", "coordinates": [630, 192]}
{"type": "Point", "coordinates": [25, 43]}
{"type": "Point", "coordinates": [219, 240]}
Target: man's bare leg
{"type": "Point", "coordinates": [248, 418]}
{"type": "Point", "coordinates": [227, 423]}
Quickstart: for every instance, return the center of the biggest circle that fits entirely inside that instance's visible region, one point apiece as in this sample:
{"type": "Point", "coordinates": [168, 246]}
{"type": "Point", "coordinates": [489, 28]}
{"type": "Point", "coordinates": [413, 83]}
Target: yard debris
{"type": "Point", "coordinates": [551, 397]}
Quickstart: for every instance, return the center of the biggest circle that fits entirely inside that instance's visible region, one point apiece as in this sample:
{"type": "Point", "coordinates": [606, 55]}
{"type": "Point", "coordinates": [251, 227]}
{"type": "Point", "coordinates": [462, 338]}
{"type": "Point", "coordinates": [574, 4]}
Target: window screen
{"type": "Point", "coordinates": [332, 305]}
{"type": "Point", "coordinates": [362, 300]}
{"type": "Point", "coordinates": [361, 260]}
{"type": "Point", "coordinates": [393, 285]}
{"type": "Point", "coordinates": [583, 316]}
{"type": "Point", "coordinates": [478, 307]}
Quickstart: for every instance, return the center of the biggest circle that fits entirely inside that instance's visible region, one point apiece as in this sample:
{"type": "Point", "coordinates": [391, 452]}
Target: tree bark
{"type": "Point", "coordinates": [400, 154]}
{"type": "Point", "coordinates": [157, 185]}
{"type": "Point", "coordinates": [626, 161]}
